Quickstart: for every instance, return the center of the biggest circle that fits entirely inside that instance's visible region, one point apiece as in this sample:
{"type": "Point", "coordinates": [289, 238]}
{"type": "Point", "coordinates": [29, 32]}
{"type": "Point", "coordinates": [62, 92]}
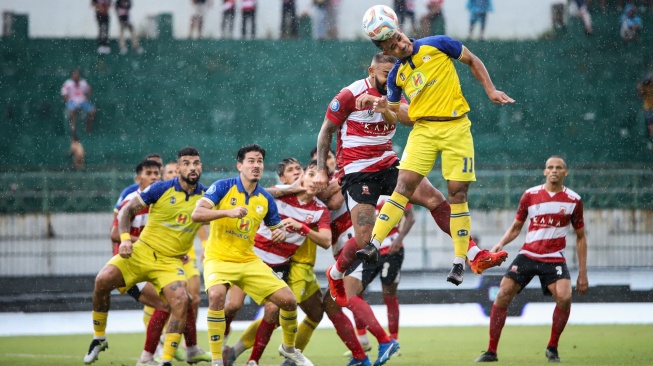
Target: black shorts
{"type": "Point", "coordinates": [282, 271]}
{"type": "Point", "coordinates": [523, 269]}
{"type": "Point", "coordinates": [124, 19]}
{"type": "Point", "coordinates": [367, 187]}
{"type": "Point", "coordinates": [389, 266]}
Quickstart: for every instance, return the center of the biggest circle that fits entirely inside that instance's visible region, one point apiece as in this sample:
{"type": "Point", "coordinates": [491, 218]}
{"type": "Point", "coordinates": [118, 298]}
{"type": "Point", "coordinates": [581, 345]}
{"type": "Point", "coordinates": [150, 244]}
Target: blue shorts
{"type": "Point", "coordinates": [83, 106]}
{"type": "Point", "coordinates": [477, 18]}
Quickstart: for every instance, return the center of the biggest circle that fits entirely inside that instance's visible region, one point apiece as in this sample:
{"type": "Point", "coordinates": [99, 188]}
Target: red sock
{"type": "Point", "coordinates": [346, 332]}
{"type": "Point", "coordinates": [347, 255]}
{"type": "Point", "coordinates": [392, 304]}
{"type": "Point", "coordinates": [227, 321]}
{"type": "Point", "coordinates": [361, 327]}
{"type": "Point", "coordinates": [155, 329]}
{"type": "Point", "coordinates": [442, 217]}
{"type": "Point", "coordinates": [497, 321]}
{"type": "Point", "coordinates": [472, 243]}
{"type": "Point", "coordinates": [190, 330]}
{"type": "Point", "coordinates": [263, 334]}
{"type": "Point", "coordinates": [560, 317]}
{"type": "Point", "coordinates": [364, 312]}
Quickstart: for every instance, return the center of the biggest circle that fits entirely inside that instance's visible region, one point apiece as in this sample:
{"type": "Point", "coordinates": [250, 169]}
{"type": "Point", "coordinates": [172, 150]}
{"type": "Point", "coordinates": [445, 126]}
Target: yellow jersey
{"type": "Point", "coordinates": [169, 229]}
{"type": "Point", "coordinates": [429, 80]}
{"type": "Point", "coordinates": [232, 239]}
{"type": "Point", "coordinates": [306, 253]}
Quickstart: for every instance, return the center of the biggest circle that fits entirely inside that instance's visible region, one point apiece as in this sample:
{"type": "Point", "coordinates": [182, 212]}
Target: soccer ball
{"type": "Point", "coordinates": [380, 22]}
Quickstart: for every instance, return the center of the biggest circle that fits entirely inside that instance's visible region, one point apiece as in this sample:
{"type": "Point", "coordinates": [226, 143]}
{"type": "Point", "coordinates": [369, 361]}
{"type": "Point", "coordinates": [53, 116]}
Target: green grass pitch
{"type": "Point", "coordinates": [520, 345]}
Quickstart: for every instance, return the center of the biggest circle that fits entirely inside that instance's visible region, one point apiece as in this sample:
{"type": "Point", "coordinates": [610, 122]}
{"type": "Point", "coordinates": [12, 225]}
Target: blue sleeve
{"type": "Point", "coordinates": [125, 192]}
{"type": "Point", "coordinates": [272, 219]}
{"type": "Point", "coordinates": [152, 193]}
{"type": "Point", "coordinates": [216, 192]}
{"type": "Point", "coordinates": [394, 92]}
{"type": "Point", "coordinates": [447, 45]}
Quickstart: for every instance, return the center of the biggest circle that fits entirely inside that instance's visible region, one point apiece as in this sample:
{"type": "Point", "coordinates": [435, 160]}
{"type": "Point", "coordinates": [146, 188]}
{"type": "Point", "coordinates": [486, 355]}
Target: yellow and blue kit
{"type": "Point", "coordinates": [429, 80]}
{"type": "Point", "coordinates": [232, 239]}
{"type": "Point", "coordinates": [169, 229]}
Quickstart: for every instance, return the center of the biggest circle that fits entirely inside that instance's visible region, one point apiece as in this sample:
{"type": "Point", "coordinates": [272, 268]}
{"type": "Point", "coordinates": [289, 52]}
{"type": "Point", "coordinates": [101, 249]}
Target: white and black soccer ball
{"type": "Point", "coordinates": [380, 22]}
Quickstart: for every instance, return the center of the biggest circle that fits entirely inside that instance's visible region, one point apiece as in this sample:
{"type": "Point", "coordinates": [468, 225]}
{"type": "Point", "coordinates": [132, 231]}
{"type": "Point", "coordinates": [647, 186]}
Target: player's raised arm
{"type": "Point", "coordinates": [323, 144]}
{"type": "Point", "coordinates": [480, 73]}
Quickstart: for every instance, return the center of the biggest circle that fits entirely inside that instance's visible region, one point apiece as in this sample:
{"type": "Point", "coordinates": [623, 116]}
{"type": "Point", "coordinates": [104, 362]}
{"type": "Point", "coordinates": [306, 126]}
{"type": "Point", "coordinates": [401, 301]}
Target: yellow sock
{"type": "Point", "coordinates": [99, 323]}
{"type": "Point", "coordinates": [391, 212]}
{"type": "Point", "coordinates": [249, 336]}
{"type": "Point", "coordinates": [217, 326]}
{"type": "Point", "coordinates": [461, 225]}
{"type": "Point", "coordinates": [288, 321]}
{"type": "Point", "coordinates": [304, 333]}
{"type": "Point", "coordinates": [170, 345]}
{"type": "Point", "coordinates": [147, 314]}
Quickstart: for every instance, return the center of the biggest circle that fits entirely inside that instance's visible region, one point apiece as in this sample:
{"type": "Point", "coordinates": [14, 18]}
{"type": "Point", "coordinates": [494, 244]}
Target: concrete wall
{"type": "Point", "coordinates": [79, 243]}
{"type": "Point", "coordinates": [511, 19]}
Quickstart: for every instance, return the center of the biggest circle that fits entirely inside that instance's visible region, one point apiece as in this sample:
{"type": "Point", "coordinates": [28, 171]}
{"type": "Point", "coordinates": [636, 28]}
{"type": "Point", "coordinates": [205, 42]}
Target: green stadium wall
{"type": "Point", "coordinates": [575, 96]}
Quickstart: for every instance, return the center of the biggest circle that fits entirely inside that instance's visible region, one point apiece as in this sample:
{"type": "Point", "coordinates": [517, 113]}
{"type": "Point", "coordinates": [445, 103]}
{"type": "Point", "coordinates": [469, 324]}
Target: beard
{"type": "Point", "coordinates": [380, 87]}
{"type": "Point", "coordinates": [190, 181]}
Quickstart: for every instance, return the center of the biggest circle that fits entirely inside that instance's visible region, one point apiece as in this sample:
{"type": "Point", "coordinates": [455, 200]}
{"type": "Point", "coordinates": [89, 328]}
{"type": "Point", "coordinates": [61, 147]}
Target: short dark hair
{"type": "Point", "coordinates": [558, 157]}
{"type": "Point", "coordinates": [281, 167]}
{"type": "Point", "coordinates": [146, 164]}
{"type": "Point", "coordinates": [187, 151]}
{"type": "Point", "coordinates": [240, 156]}
{"type": "Point", "coordinates": [381, 58]}
{"type": "Point", "coordinates": [377, 44]}
{"type": "Point", "coordinates": [311, 164]}
{"type": "Point", "coordinates": [153, 156]}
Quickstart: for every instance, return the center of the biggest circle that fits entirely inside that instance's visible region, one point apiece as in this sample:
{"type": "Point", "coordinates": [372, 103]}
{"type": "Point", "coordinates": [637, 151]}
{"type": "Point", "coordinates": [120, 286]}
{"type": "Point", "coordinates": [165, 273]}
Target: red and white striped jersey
{"type": "Point", "coordinates": [549, 216]}
{"type": "Point", "coordinates": [394, 233]}
{"type": "Point", "coordinates": [314, 214]}
{"type": "Point", "coordinates": [342, 229]}
{"type": "Point", "coordinates": [364, 142]}
{"type": "Point", "coordinates": [139, 220]}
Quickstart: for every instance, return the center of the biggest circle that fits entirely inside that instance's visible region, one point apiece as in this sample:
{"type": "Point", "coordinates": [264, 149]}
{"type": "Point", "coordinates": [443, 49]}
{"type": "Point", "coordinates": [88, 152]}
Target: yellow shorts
{"type": "Point", "coordinates": [255, 277]}
{"type": "Point", "coordinates": [453, 139]}
{"type": "Point", "coordinates": [302, 281]}
{"type": "Point", "coordinates": [145, 265]}
{"type": "Point", "coordinates": [191, 268]}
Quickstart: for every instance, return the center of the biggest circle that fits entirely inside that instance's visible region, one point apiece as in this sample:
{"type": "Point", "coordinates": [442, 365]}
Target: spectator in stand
{"type": "Point", "coordinates": [248, 9]}
{"type": "Point", "coordinates": [320, 19]}
{"type": "Point", "coordinates": [77, 151]}
{"type": "Point", "coordinates": [584, 14]}
{"type": "Point", "coordinates": [405, 9]}
{"type": "Point", "coordinates": [332, 18]}
{"type": "Point", "coordinates": [478, 10]}
{"type": "Point", "coordinates": [645, 91]}
{"type": "Point", "coordinates": [433, 15]}
{"type": "Point", "coordinates": [102, 17]}
{"type": "Point", "coordinates": [228, 17]}
{"type": "Point", "coordinates": [631, 24]}
{"type": "Point", "coordinates": [122, 8]}
{"type": "Point", "coordinates": [197, 19]}
{"type": "Point", "coordinates": [289, 23]}
{"type": "Point", "coordinates": [76, 93]}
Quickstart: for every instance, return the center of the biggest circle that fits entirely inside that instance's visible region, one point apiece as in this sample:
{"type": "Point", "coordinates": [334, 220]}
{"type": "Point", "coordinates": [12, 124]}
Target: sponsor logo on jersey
{"type": "Point", "coordinates": [180, 272]}
{"type": "Point", "coordinates": [233, 201]}
{"type": "Point", "coordinates": [418, 79]}
{"type": "Point", "coordinates": [335, 105]}
{"type": "Point", "coordinates": [183, 218]}
{"type": "Point", "coordinates": [402, 77]}
{"type": "Point", "coordinates": [244, 225]}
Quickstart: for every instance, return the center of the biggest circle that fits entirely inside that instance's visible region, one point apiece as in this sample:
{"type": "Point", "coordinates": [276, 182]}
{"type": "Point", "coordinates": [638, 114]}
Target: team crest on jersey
{"type": "Point", "coordinates": [259, 209]}
{"type": "Point", "coordinates": [309, 218]}
{"type": "Point", "coordinates": [562, 210]}
{"type": "Point", "coordinates": [426, 58]}
{"type": "Point", "coordinates": [173, 200]}
{"type": "Point", "coordinates": [183, 218]}
{"type": "Point", "coordinates": [244, 224]}
{"type": "Point", "coordinates": [335, 105]}
{"type": "Point", "coordinates": [370, 111]}
{"type": "Point", "coordinates": [233, 201]}
{"type": "Point", "coordinates": [366, 189]}
{"type": "Point", "coordinates": [514, 269]}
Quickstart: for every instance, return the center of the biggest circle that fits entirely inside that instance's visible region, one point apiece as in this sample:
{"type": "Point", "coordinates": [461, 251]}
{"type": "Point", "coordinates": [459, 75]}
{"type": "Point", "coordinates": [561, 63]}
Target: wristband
{"type": "Point", "coordinates": [304, 230]}
{"type": "Point", "coordinates": [125, 236]}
